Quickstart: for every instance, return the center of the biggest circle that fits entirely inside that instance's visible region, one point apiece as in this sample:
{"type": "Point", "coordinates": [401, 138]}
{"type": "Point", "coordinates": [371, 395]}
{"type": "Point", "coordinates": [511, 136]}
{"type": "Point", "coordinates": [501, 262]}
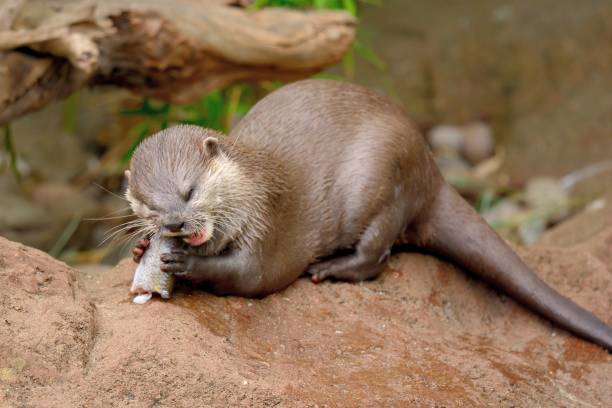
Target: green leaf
{"type": "Point", "coordinates": [257, 4]}
{"type": "Point", "coordinates": [330, 75]}
{"type": "Point", "coordinates": [64, 238]}
{"type": "Point", "coordinates": [369, 55]}
{"type": "Point", "coordinates": [350, 6]}
{"type": "Point", "coordinates": [148, 109]}
{"type": "Point", "coordinates": [378, 3]}
{"type": "Point", "coordinates": [141, 131]}
{"type": "Point", "coordinates": [70, 112]}
{"type": "Point", "coordinates": [348, 64]}
{"type": "Point", "coordinates": [486, 200]}
{"type": "Point", "coordinates": [327, 4]}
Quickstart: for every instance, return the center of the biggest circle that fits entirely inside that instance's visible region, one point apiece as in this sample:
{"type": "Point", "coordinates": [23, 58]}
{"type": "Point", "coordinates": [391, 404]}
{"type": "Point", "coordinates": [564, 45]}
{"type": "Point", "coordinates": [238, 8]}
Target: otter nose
{"type": "Point", "coordinates": [175, 227]}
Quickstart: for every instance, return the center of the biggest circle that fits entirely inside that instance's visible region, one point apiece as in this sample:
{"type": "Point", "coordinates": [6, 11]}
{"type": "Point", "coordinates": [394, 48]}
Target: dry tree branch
{"type": "Point", "coordinates": [170, 49]}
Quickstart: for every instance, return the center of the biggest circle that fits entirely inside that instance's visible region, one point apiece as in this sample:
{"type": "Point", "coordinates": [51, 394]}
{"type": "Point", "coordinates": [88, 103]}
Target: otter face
{"type": "Point", "coordinates": [177, 184]}
{"type": "Point", "coordinates": [174, 217]}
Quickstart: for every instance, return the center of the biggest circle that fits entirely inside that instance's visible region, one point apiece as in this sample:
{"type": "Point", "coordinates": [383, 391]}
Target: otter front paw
{"type": "Point", "coordinates": [140, 249]}
{"type": "Point", "coordinates": [178, 262]}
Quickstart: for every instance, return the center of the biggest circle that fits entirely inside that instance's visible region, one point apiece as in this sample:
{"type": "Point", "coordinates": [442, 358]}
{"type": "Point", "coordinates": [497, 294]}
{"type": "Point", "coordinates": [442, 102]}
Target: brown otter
{"type": "Point", "coordinates": [320, 177]}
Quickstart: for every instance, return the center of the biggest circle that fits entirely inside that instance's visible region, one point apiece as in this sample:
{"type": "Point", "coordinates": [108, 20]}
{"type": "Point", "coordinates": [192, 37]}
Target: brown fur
{"type": "Point", "coordinates": [336, 167]}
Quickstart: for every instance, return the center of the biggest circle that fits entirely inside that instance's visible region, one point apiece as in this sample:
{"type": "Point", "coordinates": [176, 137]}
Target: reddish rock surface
{"type": "Point", "coordinates": [423, 334]}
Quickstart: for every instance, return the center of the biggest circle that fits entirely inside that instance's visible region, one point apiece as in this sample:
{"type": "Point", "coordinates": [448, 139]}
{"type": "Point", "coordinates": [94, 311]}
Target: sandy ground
{"type": "Point", "coordinates": [423, 334]}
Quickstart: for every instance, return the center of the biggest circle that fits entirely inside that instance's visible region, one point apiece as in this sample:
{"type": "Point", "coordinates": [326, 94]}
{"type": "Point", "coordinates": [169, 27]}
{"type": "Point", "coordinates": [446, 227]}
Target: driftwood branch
{"type": "Point", "coordinates": [175, 50]}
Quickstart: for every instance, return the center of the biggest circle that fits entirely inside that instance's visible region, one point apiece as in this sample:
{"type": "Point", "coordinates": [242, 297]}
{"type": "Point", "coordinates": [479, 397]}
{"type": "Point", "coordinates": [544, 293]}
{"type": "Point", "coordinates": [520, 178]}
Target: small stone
{"type": "Point", "coordinates": [445, 137]}
{"type": "Point", "coordinates": [453, 167]}
{"type": "Point", "coordinates": [478, 142]}
{"type": "Point", "coordinates": [548, 196]}
{"type": "Point", "coordinates": [49, 194]}
{"type": "Point", "coordinates": [596, 205]}
{"type": "Point", "coordinates": [501, 212]}
{"type": "Point", "coordinates": [8, 375]}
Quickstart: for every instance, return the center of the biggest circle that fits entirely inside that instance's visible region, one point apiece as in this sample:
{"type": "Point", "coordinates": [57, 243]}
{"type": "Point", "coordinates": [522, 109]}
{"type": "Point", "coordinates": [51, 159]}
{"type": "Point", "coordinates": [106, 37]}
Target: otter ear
{"type": "Point", "coordinates": [127, 175]}
{"type": "Point", "coordinates": [211, 145]}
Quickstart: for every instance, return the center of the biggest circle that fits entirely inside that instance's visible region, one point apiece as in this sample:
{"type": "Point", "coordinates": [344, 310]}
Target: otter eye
{"type": "Point", "coordinates": [189, 194]}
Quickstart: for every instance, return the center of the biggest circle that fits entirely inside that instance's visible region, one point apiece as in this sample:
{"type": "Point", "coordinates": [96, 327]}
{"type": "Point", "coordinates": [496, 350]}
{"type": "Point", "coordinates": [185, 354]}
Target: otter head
{"type": "Point", "coordinates": [179, 182]}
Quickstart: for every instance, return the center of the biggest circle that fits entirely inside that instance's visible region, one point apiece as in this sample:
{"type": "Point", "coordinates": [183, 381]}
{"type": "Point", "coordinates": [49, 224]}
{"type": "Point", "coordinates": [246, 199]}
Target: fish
{"type": "Point", "coordinates": [148, 277]}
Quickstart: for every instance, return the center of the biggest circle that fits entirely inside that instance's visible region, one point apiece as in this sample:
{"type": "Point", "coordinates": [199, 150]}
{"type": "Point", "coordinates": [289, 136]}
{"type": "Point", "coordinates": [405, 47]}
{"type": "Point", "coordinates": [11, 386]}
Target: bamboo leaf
{"type": "Point", "coordinates": [141, 130]}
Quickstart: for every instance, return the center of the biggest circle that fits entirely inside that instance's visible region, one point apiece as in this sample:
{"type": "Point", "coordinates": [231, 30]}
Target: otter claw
{"type": "Point", "coordinates": [177, 268]}
{"type": "Point", "coordinates": [173, 258]}
{"type": "Point", "coordinates": [174, 263]}
{"type": "Point", "coordinates": [318, 273]}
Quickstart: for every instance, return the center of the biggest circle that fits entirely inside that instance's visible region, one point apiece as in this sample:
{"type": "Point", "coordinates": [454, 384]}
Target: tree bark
{"type": "Point", "coordinates": [175, 50]}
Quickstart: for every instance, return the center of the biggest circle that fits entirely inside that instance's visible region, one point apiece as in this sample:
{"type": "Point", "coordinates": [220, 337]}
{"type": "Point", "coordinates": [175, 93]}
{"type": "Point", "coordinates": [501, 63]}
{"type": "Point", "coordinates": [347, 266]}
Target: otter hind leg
{"type": "Point", "coordinates": [371, 250]}
{"type": "Point", "coordinates": [348, 268]}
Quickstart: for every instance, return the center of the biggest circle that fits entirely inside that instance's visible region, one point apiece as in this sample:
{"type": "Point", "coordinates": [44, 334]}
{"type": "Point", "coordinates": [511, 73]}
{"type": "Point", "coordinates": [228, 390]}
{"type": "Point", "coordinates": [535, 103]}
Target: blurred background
{"type": "Point", "coordinates": [513, 97]}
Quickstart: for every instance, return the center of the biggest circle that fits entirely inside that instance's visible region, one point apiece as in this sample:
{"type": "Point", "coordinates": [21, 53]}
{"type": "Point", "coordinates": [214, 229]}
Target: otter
{"type": "Point", "coordinates": [323, 178]}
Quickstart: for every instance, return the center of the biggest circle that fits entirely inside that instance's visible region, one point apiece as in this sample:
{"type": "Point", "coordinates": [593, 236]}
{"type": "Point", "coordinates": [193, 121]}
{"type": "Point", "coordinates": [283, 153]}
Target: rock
{"type": "Point", "coordinates": [23, 220]}
{"type": "Point", "coordinates": [478, 143]}
{"type": "Point", "coordinates": [548, 201]}
{"type": "Point", "coordinates": [51, 152]}
{"type": "Point", "coordinates": [62, 198]}
{"type": "Point", "coordinates": [453, 167]}
{"type": "Point", "coordinates": [47, 324]}
{"type": "Point", "coordinates": [445, 138]}
{"type": "Point", "coordinates": [501, 212]}
{"type": "Point", "coordinates": [422, 334]}
{"type": "Point", "coordinates": [548, 196]}
{"type": "Point", "coordinates": [474, 141]}
{"type": "Point", "coordinates": [38, 217]}
{"type": "Point", "coordinates": [582, 227]}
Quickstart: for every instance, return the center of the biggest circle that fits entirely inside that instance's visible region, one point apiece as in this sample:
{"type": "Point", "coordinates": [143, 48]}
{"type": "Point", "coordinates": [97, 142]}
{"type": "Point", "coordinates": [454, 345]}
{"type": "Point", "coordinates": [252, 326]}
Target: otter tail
{"type": "Point", "coordinates": [454, 229]}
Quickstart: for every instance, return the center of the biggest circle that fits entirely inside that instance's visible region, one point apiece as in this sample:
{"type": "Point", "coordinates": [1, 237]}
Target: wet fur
{"type": "Point", "coordinates": [323, 167]}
